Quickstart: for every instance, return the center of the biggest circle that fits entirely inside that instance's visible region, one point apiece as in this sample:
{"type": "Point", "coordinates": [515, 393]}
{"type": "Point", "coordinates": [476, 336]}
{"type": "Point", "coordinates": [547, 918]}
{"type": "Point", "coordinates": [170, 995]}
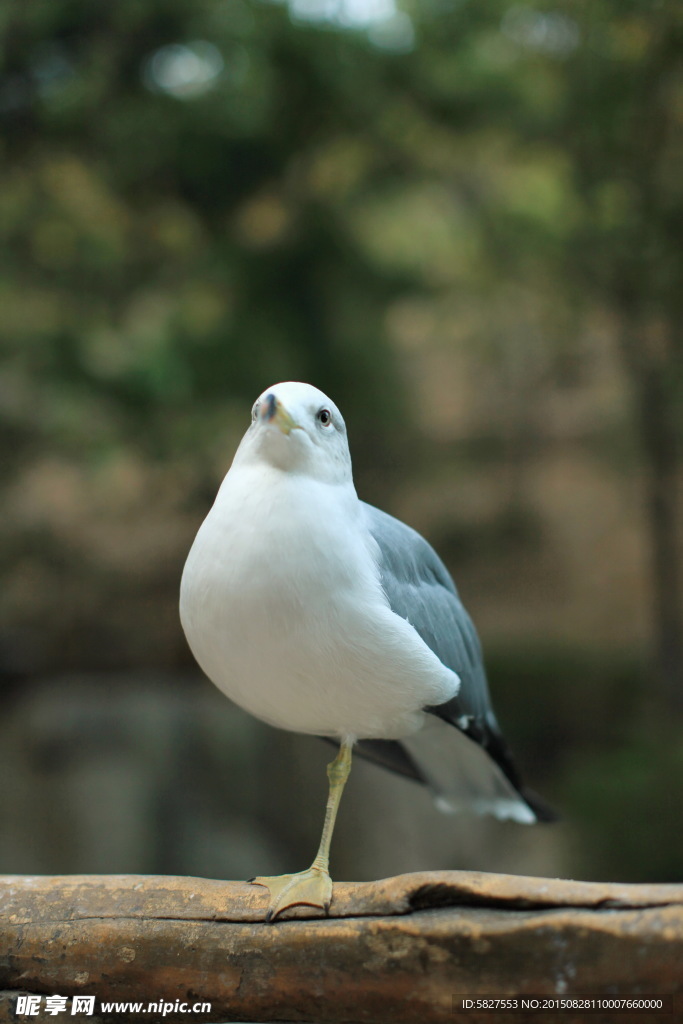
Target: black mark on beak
{"type": "Point", "coordinates": [269, 407]}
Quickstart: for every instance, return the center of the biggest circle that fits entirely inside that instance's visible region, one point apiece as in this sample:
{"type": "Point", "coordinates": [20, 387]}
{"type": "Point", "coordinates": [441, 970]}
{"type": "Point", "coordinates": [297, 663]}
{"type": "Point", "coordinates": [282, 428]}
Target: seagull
{"type": "Point", "coordinates": [319, 613]}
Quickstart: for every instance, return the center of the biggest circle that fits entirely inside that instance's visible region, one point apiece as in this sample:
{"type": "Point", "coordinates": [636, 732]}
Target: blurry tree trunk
{"type": "Point", "coordinates": [647, 352]}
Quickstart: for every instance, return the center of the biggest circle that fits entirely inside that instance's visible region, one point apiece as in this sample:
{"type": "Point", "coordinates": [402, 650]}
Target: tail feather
{"type": "Point", "coordinates": [460, 772]}
{"type": "Point", "coordinates": [464, 777]}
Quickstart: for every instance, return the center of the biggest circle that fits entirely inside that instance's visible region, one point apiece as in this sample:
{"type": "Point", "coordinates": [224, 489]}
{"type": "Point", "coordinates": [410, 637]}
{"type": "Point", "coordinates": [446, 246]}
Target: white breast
{"type": "Point", "coordinates": [282, 606]}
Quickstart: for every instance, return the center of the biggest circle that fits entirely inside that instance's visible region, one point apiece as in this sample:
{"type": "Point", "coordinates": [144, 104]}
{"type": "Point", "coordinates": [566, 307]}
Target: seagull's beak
{"type": "Point", "coordinates": [273, 411]}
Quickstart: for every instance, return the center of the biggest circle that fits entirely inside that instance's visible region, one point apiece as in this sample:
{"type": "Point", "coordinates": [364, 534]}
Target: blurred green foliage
{"type": "Point", "coordinates": [177, 233]}
{"type": "Point", "coordinates": [623, 796]}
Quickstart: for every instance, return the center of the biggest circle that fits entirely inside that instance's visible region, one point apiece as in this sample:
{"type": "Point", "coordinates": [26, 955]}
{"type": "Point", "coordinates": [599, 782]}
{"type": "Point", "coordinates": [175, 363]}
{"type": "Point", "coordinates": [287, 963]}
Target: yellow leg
{"type": "Point", "coordinates": [313, 886]}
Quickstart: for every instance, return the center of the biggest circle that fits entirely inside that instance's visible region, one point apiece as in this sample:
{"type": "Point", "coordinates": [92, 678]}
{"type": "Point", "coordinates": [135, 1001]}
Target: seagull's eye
{"type": "Point", "coordinates": [324, 417]}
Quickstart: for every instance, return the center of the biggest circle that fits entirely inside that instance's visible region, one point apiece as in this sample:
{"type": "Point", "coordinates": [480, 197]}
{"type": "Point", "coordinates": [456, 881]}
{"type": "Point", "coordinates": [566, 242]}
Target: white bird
{"type": "Point", "coordinates": [319, 613]}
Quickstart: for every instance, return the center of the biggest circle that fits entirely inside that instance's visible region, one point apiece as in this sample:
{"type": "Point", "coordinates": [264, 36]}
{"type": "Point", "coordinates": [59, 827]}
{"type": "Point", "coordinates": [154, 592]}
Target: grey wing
{"type": "Point", "coordinates": [421, 590]}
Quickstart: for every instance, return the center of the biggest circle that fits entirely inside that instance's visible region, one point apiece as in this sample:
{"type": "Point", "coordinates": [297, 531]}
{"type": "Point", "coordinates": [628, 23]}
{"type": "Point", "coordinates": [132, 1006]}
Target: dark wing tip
{"type": "Point", "coordinates": [486, 733]}
{"type": "Point", "coordinates": [545, 814]}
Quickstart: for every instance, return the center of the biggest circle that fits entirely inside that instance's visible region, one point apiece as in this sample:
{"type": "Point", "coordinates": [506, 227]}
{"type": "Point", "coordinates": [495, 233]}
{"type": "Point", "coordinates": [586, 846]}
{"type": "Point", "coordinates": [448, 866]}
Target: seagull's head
{"type": "Point", "coordinates": [297, 428]}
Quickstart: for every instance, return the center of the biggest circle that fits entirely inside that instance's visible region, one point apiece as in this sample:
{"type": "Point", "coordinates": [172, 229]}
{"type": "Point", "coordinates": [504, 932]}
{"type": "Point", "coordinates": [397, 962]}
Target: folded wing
{"type": "Point", "coordinates": [462, 754]}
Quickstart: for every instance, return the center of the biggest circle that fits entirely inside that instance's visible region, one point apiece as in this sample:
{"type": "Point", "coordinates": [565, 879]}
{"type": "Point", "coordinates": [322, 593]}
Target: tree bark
{"type": "Point", "coordinates": [398, 950]}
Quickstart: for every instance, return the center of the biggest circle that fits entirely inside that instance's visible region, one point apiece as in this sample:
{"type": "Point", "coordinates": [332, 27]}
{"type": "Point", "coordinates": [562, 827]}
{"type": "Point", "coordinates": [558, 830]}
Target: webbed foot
{"type": "Point", "coordinates": [312, 887]}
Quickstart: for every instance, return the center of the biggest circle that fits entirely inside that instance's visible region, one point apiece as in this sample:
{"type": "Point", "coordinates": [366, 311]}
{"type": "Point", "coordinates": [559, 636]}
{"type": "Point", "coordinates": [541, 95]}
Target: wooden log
{"type": "Point", "coordinates": [395, 950]}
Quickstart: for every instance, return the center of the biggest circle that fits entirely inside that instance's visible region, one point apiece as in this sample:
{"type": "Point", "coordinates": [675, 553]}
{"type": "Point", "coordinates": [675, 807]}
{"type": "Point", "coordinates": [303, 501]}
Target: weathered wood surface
{"type": "Point", "coordinates": [394, 950]}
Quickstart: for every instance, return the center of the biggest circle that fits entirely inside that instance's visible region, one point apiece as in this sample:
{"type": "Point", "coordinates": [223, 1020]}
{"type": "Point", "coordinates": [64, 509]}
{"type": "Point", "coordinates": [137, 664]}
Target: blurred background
{"type": "Point", "coordinates": [463, 221]}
